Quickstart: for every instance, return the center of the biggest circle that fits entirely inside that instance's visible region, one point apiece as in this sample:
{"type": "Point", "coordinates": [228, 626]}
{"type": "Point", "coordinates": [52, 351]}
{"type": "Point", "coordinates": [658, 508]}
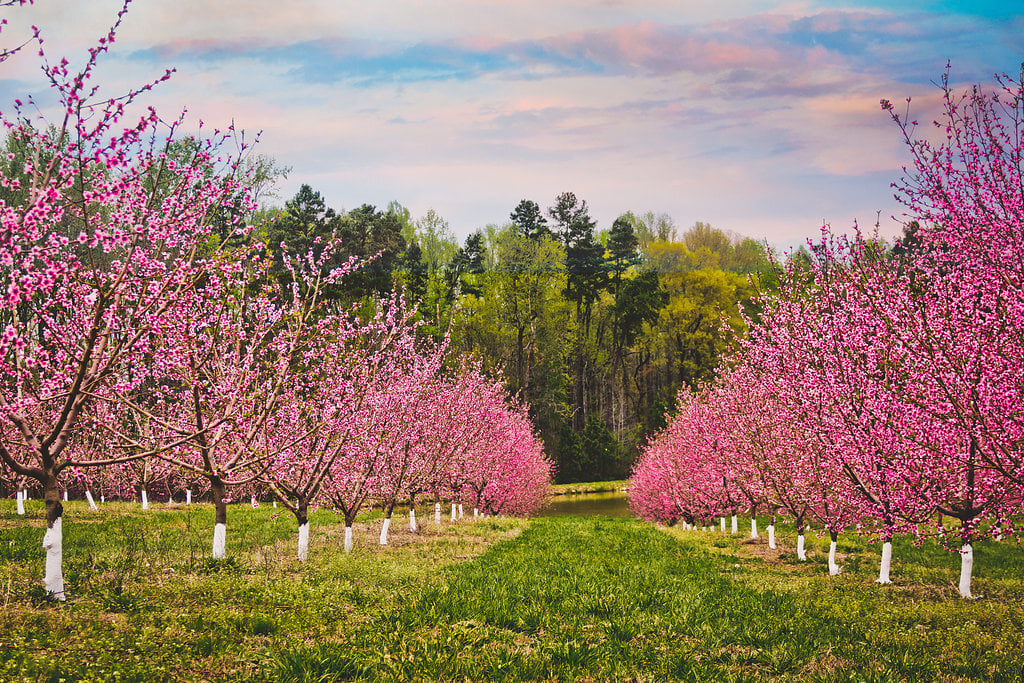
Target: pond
{"type": "Point", "coordinates": [608, 504]}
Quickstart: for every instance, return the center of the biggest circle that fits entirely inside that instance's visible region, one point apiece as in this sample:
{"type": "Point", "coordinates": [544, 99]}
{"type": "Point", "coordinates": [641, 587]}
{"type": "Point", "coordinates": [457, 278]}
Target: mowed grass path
{"type": "Point", "coordinates": [547, 599]}
{"type": "Point", "coordinates": [602, 599]}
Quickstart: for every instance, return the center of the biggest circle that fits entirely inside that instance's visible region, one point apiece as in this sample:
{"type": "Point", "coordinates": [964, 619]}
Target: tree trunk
{"type": "Point", "coordinates": [92, 503]}
{"type": "Point", "coordinates": [735, 525]}
{"type": "Point", "coordinates": [387, 523]}
{"type": "Point", "coordinates": [302, 515]}
{"type": "Point", "coordinates": [801, 553]}
{"type": "Point", "coordinates": [437, 513]}
{"type": "Point", "coordinates": [53, 539]}
{"type": "Point", "coordinates": [21, 502]}
{"type": "Point", "coordinates": [833, 568]}
{"type": "Point", "coordinates": [145, 500]}
{"type": "Point", "coordinates": [966, 569]}
{"type": "Point", "coordinates": [349, 519]}
{"type": "Point", "coordinates": [885, 565]}
{"type": "Point", "coordinates": [220, 527]}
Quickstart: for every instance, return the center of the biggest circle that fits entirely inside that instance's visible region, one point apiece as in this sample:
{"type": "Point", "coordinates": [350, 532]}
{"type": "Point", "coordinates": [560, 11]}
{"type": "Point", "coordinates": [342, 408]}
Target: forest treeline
{"type": "Point", "coordinates": [596, 329]}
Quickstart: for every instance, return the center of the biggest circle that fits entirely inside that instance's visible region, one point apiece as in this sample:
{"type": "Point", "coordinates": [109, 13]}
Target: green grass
{"type": "Point", "coordinates": [548, 599]}
{"type": "Point", "coordinates": [146, 602]}
{"type": "Point", "coordinates": [590, 487]}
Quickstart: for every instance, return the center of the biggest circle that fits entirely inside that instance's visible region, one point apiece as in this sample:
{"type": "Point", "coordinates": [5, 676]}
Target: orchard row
{"type": "Point", "coordinates": [879, 391]}
{"type": "Point", "coordinates": [148, 339]}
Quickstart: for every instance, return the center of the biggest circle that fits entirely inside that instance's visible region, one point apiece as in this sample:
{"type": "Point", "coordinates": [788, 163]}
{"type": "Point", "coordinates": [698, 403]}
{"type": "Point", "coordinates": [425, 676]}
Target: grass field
{"type": "Point", "coordinates": [590, 487]}
{"type": "Point", "coordinates": [501, 599]}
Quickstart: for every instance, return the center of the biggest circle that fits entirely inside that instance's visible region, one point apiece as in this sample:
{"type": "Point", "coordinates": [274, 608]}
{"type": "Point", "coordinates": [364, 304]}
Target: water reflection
{"type": "Point", "coordinates": [609, 504]}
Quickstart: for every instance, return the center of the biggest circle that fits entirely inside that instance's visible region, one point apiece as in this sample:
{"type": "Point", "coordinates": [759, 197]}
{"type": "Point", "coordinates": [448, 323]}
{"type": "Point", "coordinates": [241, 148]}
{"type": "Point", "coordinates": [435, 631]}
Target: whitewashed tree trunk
{"type": "Point", "coordinates": [384, 531]}
{"type": "Point", "coordinates": [753, 527]}
{"type": "Point", "coordinates": [476, 513]}
{"type": "Point", "coordinates": [454, 512]}
{"type": "Point", "coordinates": [65, 496]}
{"type": "Point", "coordinates": [92, 503]}
{"type": "Point", "coordinates": [801, 553]}
{"type": "Point", "coordinates": [722, 520]}
{"type": "Point", "coordinates": [735, 525]}
{"type": "Point", "coordinates": [103, 498]}
{"type": "Point", "coordinates": [303, 541]}
{"type": "Point", "coordinates": [220, 537]}
{"type": "Point", "coordinates": [275, 504]}
{"type": "Point", "coordinates": [412, 520]}
{"type": "Point", "coordinates": [771, 536]}
{"type": "Point", "coordinates": [188, 496]}
{"type": "Point", "coordinates": [705, 528]}
{"type": "Point", "coordinates": [53, 543]}
{"type": "Point", "coordinates": [21, 502]}
{"type": "Point", "coordinates": [885, 565]}
{"type": "Point", "coordinates": [348, 539]}
{"type": "Point", "coordinates": [437, 513]}
{"type": "Point", "coordinates": [833, 568]}
{"type": "Point", "coordinates": [145, 500]}
{"type": "Point", "coordinates": [461, 515]}
{"type": "Point", "coordinates": [966, 569]}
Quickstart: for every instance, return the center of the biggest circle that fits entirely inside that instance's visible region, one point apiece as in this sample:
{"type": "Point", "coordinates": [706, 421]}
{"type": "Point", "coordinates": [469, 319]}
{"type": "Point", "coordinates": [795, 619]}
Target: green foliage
{"type": "Point", "coordinates": [529, 219]}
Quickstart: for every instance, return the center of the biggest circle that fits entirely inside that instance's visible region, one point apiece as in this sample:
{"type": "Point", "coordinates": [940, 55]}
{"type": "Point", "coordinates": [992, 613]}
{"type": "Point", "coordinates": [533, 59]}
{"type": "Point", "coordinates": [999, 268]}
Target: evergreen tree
{"type": "Point", "coordinates": [528, 218]}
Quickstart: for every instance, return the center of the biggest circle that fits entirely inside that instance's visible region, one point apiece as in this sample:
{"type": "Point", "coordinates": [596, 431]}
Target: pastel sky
{"type": "Point", "coordinates": [757, 116]}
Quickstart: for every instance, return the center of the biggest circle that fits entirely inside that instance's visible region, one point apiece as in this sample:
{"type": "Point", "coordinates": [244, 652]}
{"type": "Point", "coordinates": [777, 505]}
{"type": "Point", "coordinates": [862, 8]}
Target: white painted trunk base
{"type": "Point", "coordinates": [753, 527]}
{"type": "Point", "coordinates": [437, 513]}
{"type": "Point", "coordinates": [103, 498]}
{"type": "Point", "coordinates": [21, 502]}
{"type": "Point", "coordinates": [275, 504]}
{"type": "Point", "coordinates": [412, 520]}
{"type": "Point", "coordinates": [801, 554]}
{"type": "Point", "coordinates": [461, 515]}
{"type": "Point", "coordinates": [833, 568]}
{"type": "Point", "coordinates": [303, 541]}
{"type": "Point", "coordinates": [92, 503]}
{"type": "Point", "coordinates": [771, 536]}
{"type": "Point", "coordinates": [220, 537]}
{"type": "Point", "coordinates": [384, 531]}
{"type": "Point", "coordinates": [735, 525]}
{"type": "Point", "coordinates": [348, 539]}
{"type": "Point", "coordinates": [885, 565]}
{"type": "Point", "coordinates": [65, 496]}
{"type": "Point", "coordinates": [476, 513]}
{"type": "Point", "coordinates": [188, 496]}
{"type": "Point", "coordinates": [145, 501]}
{"type": "Point", "coordinates": [722, 520]}
{"type": "Point", "coordinates": [53, 543]}
{"type": "Point", "coordinates": [454, 513]}
{"type": "Point", "coordinates": [705, 528]}
{"type": "Point", "coordinates": [966, 569]}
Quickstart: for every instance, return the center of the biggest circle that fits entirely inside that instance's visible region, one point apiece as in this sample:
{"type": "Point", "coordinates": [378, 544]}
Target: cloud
{"type": "Point", "coordinates": [757, 116]}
